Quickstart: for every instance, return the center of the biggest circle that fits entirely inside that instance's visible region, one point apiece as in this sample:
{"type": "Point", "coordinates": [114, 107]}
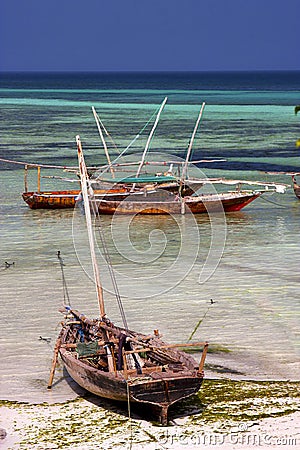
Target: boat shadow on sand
{"type": "Point", "coordinates": [181, 410]}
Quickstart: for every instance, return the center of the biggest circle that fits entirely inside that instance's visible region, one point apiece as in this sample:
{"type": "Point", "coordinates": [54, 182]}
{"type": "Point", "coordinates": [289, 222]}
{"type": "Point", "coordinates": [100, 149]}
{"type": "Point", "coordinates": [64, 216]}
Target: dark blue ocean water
{"type": "Point", "coordinates": [216, 81]}
{"type": "Point", "coordinates": [251, 258]}
{"type": "Point", "coordinates": [249, 118]}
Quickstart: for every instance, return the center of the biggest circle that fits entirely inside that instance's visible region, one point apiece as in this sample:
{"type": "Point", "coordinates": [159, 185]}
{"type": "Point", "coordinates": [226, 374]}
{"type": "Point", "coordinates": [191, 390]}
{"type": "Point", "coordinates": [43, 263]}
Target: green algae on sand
{"type": "Point", "coordinates": [219, 405]}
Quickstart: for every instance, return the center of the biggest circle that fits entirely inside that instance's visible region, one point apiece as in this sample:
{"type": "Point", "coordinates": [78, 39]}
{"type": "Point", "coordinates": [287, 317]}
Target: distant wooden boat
{"type": "Point", "coordinates": [51, 200]}
{"type": "Point", "coordinates": [198, 204]}
{"type": "Point", "coordinates": [61, 199]}
{"type": "Point", "coordinates": [296, 187]}
{"type": "Point", "coordinates": [116, 362]}
{"type": "Point", "coordinates": [133, 194]}
{"type": "Point", "coordinates": [178, 198]}
{"type": "Point", "coordinates": [113, 189]}
{"type": "Point", "coordinates": [119, 190]}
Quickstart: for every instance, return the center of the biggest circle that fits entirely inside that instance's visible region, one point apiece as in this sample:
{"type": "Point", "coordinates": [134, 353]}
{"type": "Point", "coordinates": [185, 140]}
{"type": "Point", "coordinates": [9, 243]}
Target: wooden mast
{"type": "Point", "coordinates": [103, 142]}
{"type": "Point", "coordinates": [184, 170]}
{"type": "Point", "coordinates": [84, 189]}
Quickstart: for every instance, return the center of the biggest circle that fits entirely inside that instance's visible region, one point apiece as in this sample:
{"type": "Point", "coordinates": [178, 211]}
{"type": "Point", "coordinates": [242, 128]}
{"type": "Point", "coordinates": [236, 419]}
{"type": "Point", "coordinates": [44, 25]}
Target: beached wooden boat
{"type": "Point", "coordinates": [296, 187]}
{"type": "Point", "coordinates": [123, 365]}
{"type": "Point", "coordinates": [116, 362]}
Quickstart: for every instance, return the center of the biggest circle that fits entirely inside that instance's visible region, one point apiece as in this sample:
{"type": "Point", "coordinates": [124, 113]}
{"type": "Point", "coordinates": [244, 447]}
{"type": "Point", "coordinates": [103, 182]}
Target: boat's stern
{"type": "Point", "coordinates": [160, 390]}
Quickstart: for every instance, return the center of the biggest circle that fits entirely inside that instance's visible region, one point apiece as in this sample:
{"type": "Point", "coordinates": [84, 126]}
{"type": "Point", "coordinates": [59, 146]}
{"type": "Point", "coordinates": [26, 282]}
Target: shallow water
{"type": "Point", "coordinates": [168, 268]}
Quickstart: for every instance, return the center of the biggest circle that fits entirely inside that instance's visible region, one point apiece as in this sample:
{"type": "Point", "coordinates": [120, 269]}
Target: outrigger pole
{"type": "Point", "coordinates": [85, 194]}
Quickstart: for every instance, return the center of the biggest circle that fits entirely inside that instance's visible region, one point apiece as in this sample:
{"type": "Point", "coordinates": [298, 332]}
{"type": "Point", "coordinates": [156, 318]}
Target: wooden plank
{"type": "Point", "coordinates": [100, 343]}
{"type": "Point", "coordinates": [146, 370]}
{"type": "Point", "coordinates": [152, 349]}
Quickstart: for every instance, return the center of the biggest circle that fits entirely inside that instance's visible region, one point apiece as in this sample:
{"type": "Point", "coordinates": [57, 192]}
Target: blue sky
{"type": "Point", "coordinates": [156, 35]}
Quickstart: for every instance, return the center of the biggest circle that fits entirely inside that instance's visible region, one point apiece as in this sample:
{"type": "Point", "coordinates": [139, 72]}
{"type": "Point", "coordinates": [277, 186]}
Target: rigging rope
{"type": "Point", "coordinates": [130, 144]}
{"type": "Point", "coordinates": [107, 133]}
{"type": "Point", "coordinates": [107, 257]}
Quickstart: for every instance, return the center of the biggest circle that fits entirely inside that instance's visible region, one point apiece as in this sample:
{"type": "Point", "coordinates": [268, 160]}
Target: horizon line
{"type": "Point", "coordinates": [147, 71]}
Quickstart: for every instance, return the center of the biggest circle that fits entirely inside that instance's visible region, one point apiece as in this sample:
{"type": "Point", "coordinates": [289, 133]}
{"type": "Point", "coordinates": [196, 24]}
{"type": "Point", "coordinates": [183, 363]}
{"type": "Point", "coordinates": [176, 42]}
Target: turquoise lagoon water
{"type": "Point", "coordinates": [168, 268]}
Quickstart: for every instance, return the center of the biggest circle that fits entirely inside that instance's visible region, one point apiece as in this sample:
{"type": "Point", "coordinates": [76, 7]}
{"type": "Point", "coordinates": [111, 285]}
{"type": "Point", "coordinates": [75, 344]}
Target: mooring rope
{"type": "Point", "coordinates": [274, 203]}
{"type": "Point", "coordinates": [129, 415]}
{"type": "Point", "coordinates": [65, 287]}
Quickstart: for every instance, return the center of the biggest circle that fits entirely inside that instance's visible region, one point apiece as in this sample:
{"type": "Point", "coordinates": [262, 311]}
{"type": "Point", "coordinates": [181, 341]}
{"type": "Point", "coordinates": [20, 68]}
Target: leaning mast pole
{"type": "Point", "coordinates": [184, 170]}
{"type": "Point", "coordinates": [85, 194]}
{"type": "Point", "coordinates": [150, 136]}
{"type": "Point", "coordinates": [103, 142]}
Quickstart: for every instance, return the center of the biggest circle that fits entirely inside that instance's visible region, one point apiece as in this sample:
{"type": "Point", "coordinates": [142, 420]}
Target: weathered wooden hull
{"type": "Point", "coordinates": [227, 202]}
{"type": "Point", "coordinates": [51, 200]}
{"type": "Point", "coordinates": [67, 199]}
{"type": "Point", "coordinates": [161, 391]}
{"type": "Point", "coordinates": [297, 192]}
{"type": "Point", "coordinates": [162, 376]}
